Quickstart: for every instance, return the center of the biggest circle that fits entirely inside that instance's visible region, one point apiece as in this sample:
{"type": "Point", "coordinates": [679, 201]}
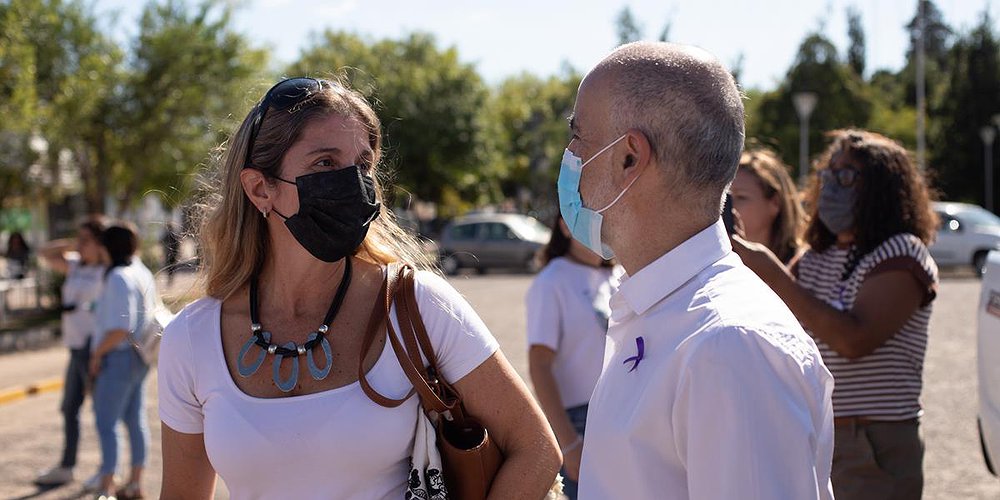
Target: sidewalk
{"type": "Point", "coordinates": [41, 368]}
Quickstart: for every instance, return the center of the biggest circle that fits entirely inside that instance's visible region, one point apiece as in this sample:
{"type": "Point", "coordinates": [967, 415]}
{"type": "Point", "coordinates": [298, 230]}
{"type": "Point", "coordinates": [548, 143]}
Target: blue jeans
{"type": "Point", "coordinates": [74, 391]}
{"type": "Point", "coordinates": [578, 417]}
{"type": "Point", "coordinates": [118, 396]}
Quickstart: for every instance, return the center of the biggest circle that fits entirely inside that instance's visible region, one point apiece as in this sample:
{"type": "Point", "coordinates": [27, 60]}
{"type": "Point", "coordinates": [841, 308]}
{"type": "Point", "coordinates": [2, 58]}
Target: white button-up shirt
{"type": "Point", "coordinates": [727, 397]}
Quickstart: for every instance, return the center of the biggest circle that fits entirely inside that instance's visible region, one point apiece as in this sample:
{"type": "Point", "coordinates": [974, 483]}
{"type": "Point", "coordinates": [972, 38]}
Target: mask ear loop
{"type": "Point", "coordinates": [275, 210]}
{"type": "Point", "coordinates": [599, 153]}
{"type": "Point", "coordinates": [619, 195]}
{"type": "Point", "coordinates": [616, 141]}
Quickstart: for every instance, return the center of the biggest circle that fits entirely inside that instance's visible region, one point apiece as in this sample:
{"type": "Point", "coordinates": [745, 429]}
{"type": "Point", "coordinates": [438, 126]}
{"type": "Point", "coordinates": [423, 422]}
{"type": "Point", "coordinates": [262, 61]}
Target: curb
{"type": "Point", "coordinates": [17, 394]}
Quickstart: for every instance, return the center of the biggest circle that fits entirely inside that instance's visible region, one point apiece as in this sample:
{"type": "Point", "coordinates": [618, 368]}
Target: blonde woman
{"type": "Point", "coordinates": [768, 203]}
{"type": "Point", "coordinates": [296, 250]}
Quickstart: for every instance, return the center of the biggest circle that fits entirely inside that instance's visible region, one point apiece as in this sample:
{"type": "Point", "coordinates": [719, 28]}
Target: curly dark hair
{"type": "Point", "coordinates": [893, 196]}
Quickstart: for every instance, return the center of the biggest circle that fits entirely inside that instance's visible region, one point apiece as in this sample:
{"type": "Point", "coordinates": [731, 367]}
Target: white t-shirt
{"type": "Point", "coordinates": [127, 300]}
{"type": "Point", "coordinates": [568, 310]}
{"type": "Point", "coordinates": [330, 444]}
{"type": "Point", "coordinates": [81, 289]}
{"type": "Point", "coordinates": [725, 396]}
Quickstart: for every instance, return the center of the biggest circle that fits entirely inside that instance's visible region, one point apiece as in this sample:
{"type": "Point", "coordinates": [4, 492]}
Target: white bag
{"type": "Point", "coordinates": [148, 342]}
{"type": "Point", "coordinates": [425, 480]}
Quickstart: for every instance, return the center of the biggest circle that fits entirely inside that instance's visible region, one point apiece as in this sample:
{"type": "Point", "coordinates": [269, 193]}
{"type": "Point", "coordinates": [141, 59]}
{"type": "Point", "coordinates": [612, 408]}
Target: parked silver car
{"type": "Point", "coordinates": [484, 241]}
{"type": "Point", "coordinates": [967, 233]}
{"type": "Point", "coordinates": [988, 352]}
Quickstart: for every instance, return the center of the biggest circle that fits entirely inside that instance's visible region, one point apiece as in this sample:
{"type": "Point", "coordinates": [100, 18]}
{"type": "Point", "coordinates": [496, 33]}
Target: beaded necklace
{"type": "Point", "coordinates": [262, 339]}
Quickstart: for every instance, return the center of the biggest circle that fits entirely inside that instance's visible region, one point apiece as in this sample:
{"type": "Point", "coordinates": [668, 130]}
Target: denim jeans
{"type": "Point", "coordinates": [74, 392]}
{"type": "Point", "coordinates": [578, 417]}
{"type": "Point", "coordinates": [118, 395]}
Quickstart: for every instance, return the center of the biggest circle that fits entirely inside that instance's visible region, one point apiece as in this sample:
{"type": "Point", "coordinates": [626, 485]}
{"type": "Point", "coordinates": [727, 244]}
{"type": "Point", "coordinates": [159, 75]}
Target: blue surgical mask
{"type": "Point", "coordinates": [584, 223]}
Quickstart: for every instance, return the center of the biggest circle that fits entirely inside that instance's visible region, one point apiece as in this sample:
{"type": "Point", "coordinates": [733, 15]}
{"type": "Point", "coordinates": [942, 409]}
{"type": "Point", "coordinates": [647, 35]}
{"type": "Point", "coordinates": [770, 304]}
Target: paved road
{"type": "Point", "coordinates": [30, 429]}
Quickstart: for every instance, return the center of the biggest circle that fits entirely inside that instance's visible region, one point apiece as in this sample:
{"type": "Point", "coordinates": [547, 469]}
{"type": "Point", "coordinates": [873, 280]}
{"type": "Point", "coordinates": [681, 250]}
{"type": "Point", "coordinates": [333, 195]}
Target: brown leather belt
{"type": "Point", "coordinates": [860, 421]}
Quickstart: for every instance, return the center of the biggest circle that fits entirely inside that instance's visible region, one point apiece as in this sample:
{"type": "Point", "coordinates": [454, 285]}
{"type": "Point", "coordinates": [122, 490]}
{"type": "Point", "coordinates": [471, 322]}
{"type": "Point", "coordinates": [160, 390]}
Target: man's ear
{"type": "Point", "coordinates": [255, 185]}
{"type": "Point", "coordinates": [638, 154]}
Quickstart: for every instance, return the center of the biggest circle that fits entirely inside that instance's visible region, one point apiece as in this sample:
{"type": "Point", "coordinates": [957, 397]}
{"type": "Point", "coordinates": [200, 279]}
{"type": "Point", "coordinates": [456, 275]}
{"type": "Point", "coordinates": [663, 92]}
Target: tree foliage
{"type": "Point", "coordinates": [856, 35]}
{"type": "Point", "coordinates": [190, 72]}
{"type": "Point", "coordinates": [627, 27]}
{"type": "Point", "coordinates": [529, 115]}
{"type": "Point", "coordinates": [55, 63]}
{"type": "Point", "coordinates": [970, 101]}
{"type": "Point", "coordinates": [842, 100]}
{"type": "Point", "coordinates": [430, 106]}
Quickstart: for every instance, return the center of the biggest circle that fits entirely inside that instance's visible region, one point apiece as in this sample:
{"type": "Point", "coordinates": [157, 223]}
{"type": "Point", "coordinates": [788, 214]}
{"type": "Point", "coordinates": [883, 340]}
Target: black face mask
{"type": "Point", "coordinates": [335, 210]}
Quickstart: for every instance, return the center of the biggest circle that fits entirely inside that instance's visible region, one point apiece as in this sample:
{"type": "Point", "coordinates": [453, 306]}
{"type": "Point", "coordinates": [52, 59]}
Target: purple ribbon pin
{"type": "Point", "coordinates": [640, 346]}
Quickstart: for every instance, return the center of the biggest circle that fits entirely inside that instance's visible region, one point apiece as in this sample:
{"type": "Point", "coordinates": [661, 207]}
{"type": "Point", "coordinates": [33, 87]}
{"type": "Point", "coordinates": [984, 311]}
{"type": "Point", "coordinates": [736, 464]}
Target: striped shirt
{"type": "Point", "coordinates": [885, 384]}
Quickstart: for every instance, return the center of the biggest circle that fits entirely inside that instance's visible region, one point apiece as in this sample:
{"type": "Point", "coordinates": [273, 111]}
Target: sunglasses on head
{"type": "Point", "coordinates": [286, 95]}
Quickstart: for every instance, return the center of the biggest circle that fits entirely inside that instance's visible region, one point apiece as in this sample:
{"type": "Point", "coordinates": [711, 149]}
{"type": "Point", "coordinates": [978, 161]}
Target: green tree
{"type": "Point", "coordinates": [57, 68]}
{"type": "Point", "coordinates": [856, 35]}
{"type": "Point", "coordinates": [430, 106]}
{"type": "Point", "coordinates": [971, 99]}
{"type": "Point", "coordinates": [188, 80]}
{"type": "Point", "coordinates": [18, 98]}
{"type": "Point", "coordinates": [843, 100]}
{"type": "Point", "coordinates": [529, 115]}
{"type": "Point", "coordinates": [628, 28]}
{"type": "Point", "coordinates": [937, 34]}
{"type": "Point", "coordinates": [938, 57]}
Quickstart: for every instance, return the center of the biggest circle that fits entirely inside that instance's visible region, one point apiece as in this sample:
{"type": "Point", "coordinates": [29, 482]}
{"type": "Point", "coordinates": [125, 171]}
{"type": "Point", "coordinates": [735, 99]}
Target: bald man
{"type": "Point", "coordinates": [710, 388]}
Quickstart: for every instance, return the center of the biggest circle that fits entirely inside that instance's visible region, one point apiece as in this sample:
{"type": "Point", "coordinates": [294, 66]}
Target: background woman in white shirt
{"type": "Point", "coordinates": [568, 310]}
{"type": "Point", "coordinates": [82, 263]}
{"type": "Point", "coordinates": [309, 153]}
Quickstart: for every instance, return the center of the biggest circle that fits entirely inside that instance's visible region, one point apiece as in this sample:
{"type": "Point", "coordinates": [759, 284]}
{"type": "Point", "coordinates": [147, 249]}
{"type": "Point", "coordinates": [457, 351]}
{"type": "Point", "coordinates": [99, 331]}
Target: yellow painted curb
{"type": "Point", "coordinates": [11, 395]}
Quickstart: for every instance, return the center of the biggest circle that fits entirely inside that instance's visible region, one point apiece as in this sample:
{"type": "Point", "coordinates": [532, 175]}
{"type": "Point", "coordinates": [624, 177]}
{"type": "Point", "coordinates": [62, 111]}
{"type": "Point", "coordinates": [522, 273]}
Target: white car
{"type": "Point", "coordinates": [967, 233]}
{"type": "Point", "coordinates": [988, 352]}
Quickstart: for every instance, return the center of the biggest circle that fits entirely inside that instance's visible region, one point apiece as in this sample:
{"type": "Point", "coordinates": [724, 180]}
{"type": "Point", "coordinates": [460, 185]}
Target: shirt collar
{"type": "Point", "coordinates": [675, 268]}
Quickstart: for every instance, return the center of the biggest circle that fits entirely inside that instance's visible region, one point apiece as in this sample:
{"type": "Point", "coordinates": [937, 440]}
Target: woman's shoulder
{"type": "Point", "coordinates": [559, 269]}
{"type": "Point", "coordinates": [431, 287]}
{"type": "Point", "coordinates": [901, 245]}
{"type": "Point", "coordinates": [196, 316]}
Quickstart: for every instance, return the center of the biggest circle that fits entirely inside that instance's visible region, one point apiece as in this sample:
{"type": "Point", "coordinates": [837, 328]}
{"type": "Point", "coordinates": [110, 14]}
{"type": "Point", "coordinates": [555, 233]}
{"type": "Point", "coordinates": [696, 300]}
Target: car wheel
{"type": "Point", "coordinates": [979, 263]}
{"type": "Point", "coordinates": [450, 265]}
{"type": "Point", "coordinates": [982, 443]}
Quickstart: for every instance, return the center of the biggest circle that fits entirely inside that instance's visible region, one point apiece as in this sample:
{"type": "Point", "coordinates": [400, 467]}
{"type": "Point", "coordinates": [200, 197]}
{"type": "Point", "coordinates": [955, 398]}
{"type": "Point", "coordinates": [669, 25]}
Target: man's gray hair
{"type": "Point", "coordinates": [686, 103]}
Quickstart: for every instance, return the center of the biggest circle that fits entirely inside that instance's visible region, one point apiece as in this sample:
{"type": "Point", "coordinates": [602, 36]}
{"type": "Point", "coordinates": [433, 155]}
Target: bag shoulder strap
{"type": "Point", "coordinates": [446, 399]}
{"type": "Point", "coordinates": [379, 314]}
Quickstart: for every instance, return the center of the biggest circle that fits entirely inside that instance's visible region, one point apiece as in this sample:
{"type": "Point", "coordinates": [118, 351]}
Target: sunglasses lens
{"type": "Point", "coordinates": [284, 95]}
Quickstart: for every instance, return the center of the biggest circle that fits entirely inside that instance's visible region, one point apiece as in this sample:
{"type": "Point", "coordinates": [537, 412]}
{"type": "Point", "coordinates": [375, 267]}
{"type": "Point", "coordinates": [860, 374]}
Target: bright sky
{"type": "Point", "coordinates": [503, 38]}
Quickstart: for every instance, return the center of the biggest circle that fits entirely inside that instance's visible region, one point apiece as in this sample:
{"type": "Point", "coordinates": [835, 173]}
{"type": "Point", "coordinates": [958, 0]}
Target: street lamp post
{"type": "Point", "coordinates": [988, 134]}
{"type": "Point", "coordinates": [921, 87]}
{"type": "Point", "coordinates": [804, 102]}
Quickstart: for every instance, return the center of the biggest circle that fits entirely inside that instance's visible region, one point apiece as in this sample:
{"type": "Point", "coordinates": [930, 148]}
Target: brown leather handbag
{"type": "Point", "coordinates": [469, 457]}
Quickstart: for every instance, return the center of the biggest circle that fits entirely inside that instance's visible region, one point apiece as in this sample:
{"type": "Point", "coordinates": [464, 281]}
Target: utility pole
{"type": "Point", "coordinates": [921, 87]}
{"type": "Point", "coordinates": [804, 103]}
{"type": "Point", "coordinates": [987, 133]}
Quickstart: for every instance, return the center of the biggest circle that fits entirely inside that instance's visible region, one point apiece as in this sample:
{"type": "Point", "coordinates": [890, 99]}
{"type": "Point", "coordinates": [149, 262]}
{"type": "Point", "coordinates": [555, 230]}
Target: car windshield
{"type": "Point", "coordinates": [533, 230]}
{"type": "Point", "coordinates": [979, 217]}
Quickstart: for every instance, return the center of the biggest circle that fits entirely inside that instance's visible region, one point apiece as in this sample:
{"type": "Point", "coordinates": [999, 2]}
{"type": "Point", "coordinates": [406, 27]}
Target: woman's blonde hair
{"type": "Point", "coordinates": [234, 236]}
{"type": "Point", "coordinates": [772, 174]}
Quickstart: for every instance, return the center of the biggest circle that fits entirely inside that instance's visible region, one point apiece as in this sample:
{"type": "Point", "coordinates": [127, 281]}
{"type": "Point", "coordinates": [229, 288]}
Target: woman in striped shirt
{"type": "Point", "coordinates": [864, 291]}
